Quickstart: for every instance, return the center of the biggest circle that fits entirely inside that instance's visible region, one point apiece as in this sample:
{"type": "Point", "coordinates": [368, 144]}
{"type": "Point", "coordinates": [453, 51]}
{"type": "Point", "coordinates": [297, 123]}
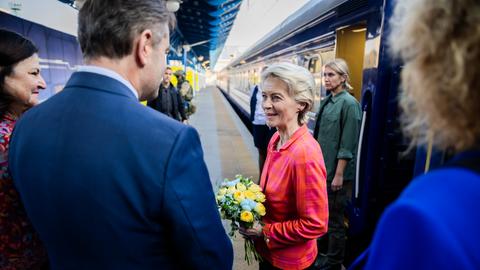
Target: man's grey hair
{"type": "Point", "coordinates": [300, 81]}
{"type": "Point", "coordinates": [108, 27]}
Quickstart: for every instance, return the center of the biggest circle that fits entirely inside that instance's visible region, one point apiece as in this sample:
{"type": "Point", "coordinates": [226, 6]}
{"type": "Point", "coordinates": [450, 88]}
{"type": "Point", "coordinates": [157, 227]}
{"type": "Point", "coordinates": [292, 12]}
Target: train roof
{"type": "Point", "coordinates": [305, 15]}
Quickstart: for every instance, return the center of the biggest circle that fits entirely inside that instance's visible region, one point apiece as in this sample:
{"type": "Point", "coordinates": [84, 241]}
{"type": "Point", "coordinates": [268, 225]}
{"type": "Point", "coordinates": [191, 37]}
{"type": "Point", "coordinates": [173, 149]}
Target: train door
{"type": "Point", "coordinates": [351, 46]}
{"type": "Point", "coordinates": [315, 67]}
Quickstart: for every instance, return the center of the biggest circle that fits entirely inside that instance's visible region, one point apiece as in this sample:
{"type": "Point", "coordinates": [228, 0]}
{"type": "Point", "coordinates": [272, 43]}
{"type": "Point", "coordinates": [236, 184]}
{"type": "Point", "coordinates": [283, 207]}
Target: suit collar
{"type": "Point", "coordinates": [99, 82]}
{"type": "Point", "coordinates": [109, 73]}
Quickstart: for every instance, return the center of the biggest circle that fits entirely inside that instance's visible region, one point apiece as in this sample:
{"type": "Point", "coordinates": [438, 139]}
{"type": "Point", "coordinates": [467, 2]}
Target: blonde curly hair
{"type": "Point", "coordinates": [439, 42]}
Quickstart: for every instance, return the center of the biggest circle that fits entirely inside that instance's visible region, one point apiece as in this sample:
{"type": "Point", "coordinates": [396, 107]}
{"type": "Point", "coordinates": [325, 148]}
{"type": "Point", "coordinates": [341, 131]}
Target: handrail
{"type": "Point", "coordinates": [428, 159]}
{"type": "Point", "coordinates": [359, 153]}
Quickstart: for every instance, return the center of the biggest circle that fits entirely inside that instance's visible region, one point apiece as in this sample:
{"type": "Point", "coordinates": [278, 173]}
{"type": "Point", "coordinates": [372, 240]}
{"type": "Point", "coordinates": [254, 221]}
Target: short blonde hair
{"type": "Point", "coordinates": [439, 42]}
{"type": "Point", "coordinates": [300, 84]}
{"type": "Point", "coordinates": [341, 67]}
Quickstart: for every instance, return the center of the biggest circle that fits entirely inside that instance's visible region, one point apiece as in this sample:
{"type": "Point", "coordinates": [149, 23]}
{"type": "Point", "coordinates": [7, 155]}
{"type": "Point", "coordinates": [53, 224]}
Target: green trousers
{"type": "Point", "coordinates": [331, 246]}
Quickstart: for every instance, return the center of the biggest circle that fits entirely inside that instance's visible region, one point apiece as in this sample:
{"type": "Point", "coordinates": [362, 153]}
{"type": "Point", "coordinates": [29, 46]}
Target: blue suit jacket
{"type": "Point", "coordinates": [111, 184]}
{"type": "Point", "coordinates": [435, 224]}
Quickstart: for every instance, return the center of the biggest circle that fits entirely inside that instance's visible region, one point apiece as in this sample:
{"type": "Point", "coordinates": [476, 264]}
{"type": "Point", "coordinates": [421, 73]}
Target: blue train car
{"type": "Point", "coordinates": [356, 31]}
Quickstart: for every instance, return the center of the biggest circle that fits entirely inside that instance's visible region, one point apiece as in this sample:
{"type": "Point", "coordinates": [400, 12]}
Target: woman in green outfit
{"type": "Point", "coordinates": [336, 130]}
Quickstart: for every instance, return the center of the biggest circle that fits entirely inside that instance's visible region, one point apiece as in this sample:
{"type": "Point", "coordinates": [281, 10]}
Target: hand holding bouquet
{"type": "Point", "coordinates": [240, 201]}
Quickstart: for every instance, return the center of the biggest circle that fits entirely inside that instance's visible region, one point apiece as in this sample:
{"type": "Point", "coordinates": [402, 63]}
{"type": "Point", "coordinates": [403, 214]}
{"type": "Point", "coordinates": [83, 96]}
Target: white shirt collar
{"type": "Point", "coordinates": [109, 73]}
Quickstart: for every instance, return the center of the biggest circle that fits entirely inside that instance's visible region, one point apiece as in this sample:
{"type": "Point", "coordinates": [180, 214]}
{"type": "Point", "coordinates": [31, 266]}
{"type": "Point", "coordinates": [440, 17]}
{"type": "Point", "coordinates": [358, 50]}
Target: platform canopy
{"type": "Point", "coordinates": [205, 25]}
{"type": "Point", "coordinates": [202, 28]}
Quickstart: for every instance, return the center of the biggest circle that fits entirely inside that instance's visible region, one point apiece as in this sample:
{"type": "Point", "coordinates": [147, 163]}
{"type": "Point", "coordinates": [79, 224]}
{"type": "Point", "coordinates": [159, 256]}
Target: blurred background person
{"type": "Point", "coordinates": [186, 92]}
{"type": "Point", "coordinates": [294, 176]}
{"type": "Point", "coordinates": [260, 131]}
{"type": "Point", "coordinates": [20, 84]}
{"type": "Point", "coordinates": [434, 223]}
{"type": "Point", "coordinates": [169, 101]}
{"type": "Point", "coordinates": [336, 130]}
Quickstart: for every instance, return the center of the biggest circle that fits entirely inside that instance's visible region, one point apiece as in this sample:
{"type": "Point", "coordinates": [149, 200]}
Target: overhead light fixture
{"type": "Point", "coordinates": [187, 48]}
{"type": "Point", "coordinates": [173, 5]}
{"type": "Point", "coordinates": [15, 6]}
{"type": "Point", "coordinates": [359, 30]}
{"type": "Point", "coordinates": [78, 4]}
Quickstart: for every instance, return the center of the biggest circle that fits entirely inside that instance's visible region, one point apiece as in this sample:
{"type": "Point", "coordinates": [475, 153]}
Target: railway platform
{"type": "Point", "coordinates": [228, 149]}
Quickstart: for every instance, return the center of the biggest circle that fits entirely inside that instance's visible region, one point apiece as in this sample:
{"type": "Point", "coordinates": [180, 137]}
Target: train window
{"type": "Point", "coordinates": [304, 61]}
{"type": "Point", "coordinates": [313, 64]}
{"type": "Point", "coordinates": [294, 60]}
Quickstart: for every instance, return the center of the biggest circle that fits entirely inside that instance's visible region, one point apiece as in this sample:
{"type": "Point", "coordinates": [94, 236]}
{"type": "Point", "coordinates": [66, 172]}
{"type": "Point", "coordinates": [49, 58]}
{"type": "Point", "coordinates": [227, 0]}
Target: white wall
{"type": "Point", "coordinates": [50, 13]}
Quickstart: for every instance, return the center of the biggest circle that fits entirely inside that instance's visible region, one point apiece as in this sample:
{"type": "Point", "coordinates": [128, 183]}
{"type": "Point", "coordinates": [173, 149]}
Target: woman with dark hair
{"type": "Point", "coordinates": [20, 83]}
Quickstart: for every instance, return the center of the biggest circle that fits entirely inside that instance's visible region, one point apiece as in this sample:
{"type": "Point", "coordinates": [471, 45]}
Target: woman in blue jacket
{"type": "Point", "coordinates": [435, 222]}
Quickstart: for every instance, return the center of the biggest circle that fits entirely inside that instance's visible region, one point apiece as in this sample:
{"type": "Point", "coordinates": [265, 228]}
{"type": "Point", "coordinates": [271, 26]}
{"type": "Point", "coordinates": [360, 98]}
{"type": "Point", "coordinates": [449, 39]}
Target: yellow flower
{"type": "Point", "coordinates": [222, 191]}
{"type": "Point", "coordinates": [254, 188]}
{"type": "Point", "coordinates": [238, 196]}
{"type": "Point", "coordinates": [241, 187]}
{"type": "Point", "coordinates": [246, 216]}
{"type": "Point", "coordinates": [249, 195]}
{"type": "Point", "coordinates": [260, 197]}
{"type": "Point", "coordinates": [231, 190]}
{"type": "Point", "coordinates": [219, 198]}
{"type": "Point", "coordinates": [260, 209]}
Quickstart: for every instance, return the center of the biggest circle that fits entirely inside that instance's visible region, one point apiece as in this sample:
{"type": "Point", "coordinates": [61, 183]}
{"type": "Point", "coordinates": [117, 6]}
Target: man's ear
{"type": "Point", "coordinates": [143, 47]}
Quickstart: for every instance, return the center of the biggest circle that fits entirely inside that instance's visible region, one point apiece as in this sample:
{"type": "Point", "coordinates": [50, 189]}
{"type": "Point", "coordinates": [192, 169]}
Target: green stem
{"type": "Point", "coordinates": [250, 252]}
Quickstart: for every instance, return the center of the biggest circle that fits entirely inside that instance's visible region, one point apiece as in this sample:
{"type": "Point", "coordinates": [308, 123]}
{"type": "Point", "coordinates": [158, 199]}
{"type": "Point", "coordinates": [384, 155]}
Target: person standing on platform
{"type": "Point", "coordinates": [337, 130]}
{"type": "Point", "coordinates": [20, 83]}
{"type": "Point", "coordinates": [169, 101]}
{"type": "Point", "coordinates": [434, 223]}
{"type": "Point", "coordinates": [186, 91]}
{"type": "Point", "coordinates": [107, 182]}
{"type": "Point", "coordinates": [260, 131]}
{"type": "Point", "coordinates": [294, 176]}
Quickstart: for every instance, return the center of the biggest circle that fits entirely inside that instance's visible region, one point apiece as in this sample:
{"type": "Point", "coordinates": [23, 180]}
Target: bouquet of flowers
{"type": "Point", "coordinates": [240, 201]}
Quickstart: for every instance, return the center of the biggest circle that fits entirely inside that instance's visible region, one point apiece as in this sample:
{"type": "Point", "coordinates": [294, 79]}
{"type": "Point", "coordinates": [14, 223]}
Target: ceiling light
{"type": "Point", "coordinates": [173, 5]}
{"type": "Point", "coordinates": [359, 30]}
{"type": "Point", "coordinates": [78, 4]}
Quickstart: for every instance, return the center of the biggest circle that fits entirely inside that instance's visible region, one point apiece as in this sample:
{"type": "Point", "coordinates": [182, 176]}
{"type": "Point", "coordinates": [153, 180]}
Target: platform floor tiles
{"type": "Point", "coordinates": [228, 149]}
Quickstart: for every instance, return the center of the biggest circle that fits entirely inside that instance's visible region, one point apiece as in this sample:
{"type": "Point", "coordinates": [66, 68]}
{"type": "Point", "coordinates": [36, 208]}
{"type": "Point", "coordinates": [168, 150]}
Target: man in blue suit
{"type": "Point", "coordinates": [107, 182]}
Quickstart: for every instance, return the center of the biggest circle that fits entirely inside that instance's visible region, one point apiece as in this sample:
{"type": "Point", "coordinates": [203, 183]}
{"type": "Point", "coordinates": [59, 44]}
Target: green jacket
{"type": "Point", "coordinates": [337, 129]}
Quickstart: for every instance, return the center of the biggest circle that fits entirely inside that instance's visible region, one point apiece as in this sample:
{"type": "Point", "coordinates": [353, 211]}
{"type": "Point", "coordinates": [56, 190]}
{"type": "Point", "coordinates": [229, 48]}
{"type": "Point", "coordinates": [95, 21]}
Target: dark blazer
{"type": "Point", "coordinates": [178, 110]}
{"type": "Point", "coordinates": [111, 184]}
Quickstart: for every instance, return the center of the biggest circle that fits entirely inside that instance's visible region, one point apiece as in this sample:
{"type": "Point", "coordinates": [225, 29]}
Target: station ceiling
{"type": "Point", "coordinates": [203, 26]}
{"type": "Point", "coordinates": [206, 20]}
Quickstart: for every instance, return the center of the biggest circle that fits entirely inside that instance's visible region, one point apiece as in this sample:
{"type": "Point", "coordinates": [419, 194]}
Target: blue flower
{"type": "Point", "coordinates": [230, 183]}
{"type": "Point", "coordinates": [248, 203]}
{"type": "Point", "coordinates": [246, 207]}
